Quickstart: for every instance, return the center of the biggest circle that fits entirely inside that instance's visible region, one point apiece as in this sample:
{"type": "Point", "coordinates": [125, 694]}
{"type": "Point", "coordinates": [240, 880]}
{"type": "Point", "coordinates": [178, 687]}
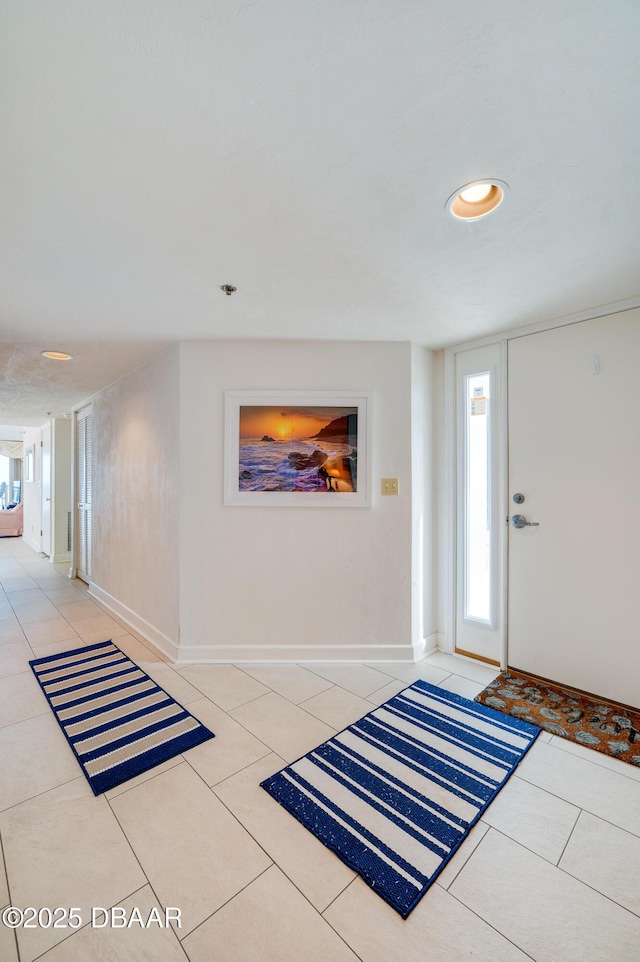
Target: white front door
{"type": "Point", "coordinates": [574, 457]}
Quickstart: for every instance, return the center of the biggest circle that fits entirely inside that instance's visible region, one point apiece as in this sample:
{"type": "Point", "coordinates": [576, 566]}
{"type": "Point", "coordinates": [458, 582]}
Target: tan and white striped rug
{"type": "Point", "coordinates": [117, 720]}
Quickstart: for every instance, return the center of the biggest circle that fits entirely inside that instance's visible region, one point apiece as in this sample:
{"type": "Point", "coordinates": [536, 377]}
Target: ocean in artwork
{"type": "Point", "coordinates": [296, 465]}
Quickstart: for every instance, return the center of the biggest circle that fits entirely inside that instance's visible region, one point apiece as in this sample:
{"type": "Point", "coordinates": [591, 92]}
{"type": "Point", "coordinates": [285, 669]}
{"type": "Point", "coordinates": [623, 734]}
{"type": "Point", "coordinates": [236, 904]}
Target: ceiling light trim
{"type": "Point", "coordinates": [462, 208]}
{"type": "Point", "coordinates": [57, 355]}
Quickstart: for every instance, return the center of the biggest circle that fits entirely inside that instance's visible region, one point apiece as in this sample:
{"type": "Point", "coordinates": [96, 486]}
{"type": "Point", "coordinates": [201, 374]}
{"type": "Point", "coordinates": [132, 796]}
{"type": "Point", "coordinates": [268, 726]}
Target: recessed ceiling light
{"type": "Point", "coordinates": [476, 199]}
{"type": "Point", "coordinates": [472, 195]}
{"type": "Point", "coordinates": [57, 355]}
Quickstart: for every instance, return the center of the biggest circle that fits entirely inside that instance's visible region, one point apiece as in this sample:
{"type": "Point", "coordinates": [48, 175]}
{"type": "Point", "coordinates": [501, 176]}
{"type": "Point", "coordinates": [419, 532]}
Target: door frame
{"type": "Point", "coordinates": [451, 467]}
{"type": "Point", "coordinates": [73, 568]}
{"type": "Point", "coordinates": [47, 493]}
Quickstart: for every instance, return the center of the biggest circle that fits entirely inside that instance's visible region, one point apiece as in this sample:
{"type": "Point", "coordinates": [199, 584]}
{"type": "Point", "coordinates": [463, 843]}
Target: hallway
{"type": "Point", "coordinates": [550, 874]}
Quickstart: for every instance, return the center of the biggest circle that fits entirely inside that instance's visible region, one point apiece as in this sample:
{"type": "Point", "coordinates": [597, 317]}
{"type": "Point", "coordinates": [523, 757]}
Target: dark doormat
{"type": "Point", "coordinates": [586, 719]}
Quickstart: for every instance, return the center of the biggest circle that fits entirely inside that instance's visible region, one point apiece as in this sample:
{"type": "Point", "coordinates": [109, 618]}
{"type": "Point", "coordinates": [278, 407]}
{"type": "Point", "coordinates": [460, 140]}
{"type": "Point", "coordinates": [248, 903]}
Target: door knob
{"type": "Point", "coordinates": [519, 521]}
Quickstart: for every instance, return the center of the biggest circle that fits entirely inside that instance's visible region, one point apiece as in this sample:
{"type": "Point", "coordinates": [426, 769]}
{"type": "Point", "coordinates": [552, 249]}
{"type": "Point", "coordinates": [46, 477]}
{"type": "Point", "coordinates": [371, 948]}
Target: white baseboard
{"type": "Point", "coordinates": [212, 654]}
{"type": "Point", "coordinates": [185, 654]}
{"type": "Point", "coordinates": [442, 643]}
{"type": "Point", "coordinates": [56, 559]}
{"type": "Point", "coordinates": [162, 642]}
{"type": "Point", "coordinates": [432, 643]}
{"type": "Point", "coordinates": [31, 543]}
{"type": "Point", "coordinates": [424, 647]}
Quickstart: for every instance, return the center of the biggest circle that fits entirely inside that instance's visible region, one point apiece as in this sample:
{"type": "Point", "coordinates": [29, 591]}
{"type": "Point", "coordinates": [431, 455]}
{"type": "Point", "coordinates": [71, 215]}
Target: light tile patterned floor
{"type": "Point", "coordinates": [551, 873]}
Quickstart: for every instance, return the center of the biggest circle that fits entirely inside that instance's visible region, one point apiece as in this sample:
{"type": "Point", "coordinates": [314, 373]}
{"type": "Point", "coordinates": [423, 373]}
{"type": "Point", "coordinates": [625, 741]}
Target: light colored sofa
{"type": "Point", "coordinates": [11, 521]}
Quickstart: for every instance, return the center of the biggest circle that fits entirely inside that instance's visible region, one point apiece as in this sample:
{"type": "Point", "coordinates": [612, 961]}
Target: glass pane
{"type": "Point", "coordinates": [478, 499]}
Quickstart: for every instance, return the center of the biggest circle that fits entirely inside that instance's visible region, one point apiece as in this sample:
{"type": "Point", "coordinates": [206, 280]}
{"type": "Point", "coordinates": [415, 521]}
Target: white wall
{"type": "Point", "coordinates": [290, 583]}
{"type": "Point", "coordinates": [10, 432]}
{"type": "Point", "coordinates": [206, 582]}
{"type": "Point", "coordinates": [135, 499]}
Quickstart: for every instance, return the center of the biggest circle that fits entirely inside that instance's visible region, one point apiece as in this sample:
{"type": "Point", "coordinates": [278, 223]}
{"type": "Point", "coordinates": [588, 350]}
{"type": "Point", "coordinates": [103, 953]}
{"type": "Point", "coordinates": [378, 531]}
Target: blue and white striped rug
{"type": "Point", "coordinates": [396, 793]}
{"type": "Point", "coordinates": [118, 722]}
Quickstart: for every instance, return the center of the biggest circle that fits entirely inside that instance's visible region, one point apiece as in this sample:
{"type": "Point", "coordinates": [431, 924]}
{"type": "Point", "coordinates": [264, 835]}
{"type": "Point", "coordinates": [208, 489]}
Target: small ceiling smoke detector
{"type": "Point", "coordinates": [476, 199]}
{"type": "Point", "coordinates": [57, 355]}
{"type": "Point", "coordinates": [228, 289]}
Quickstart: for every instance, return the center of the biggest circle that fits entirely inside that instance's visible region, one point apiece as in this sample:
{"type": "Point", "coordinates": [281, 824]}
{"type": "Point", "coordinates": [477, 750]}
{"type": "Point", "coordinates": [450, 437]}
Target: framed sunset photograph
{"type": "Point", "coordinates": [286, 448]}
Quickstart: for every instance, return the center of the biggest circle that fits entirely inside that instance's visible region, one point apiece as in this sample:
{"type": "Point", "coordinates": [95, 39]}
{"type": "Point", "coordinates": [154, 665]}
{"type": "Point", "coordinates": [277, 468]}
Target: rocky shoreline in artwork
{"type": "Point", "coordinates": [336, 472]}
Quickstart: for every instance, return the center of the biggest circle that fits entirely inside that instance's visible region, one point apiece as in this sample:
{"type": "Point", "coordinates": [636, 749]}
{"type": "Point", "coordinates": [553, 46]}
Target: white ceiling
{"type": "Point", "coordinates": [153, 150]}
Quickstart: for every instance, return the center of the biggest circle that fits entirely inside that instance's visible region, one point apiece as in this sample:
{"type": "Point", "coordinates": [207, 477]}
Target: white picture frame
{"type": "Point", "coordinates": [271, 461]}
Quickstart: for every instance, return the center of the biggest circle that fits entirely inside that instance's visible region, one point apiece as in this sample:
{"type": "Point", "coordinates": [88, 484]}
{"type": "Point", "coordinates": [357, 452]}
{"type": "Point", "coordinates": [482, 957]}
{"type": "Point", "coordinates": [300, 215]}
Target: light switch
{"type": "Point", "coordinates": [389, 486]}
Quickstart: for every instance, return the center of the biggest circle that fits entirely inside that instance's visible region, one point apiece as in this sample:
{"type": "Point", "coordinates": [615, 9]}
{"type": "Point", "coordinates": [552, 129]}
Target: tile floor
{"type": "Point", "coordinates": [551, 873]}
